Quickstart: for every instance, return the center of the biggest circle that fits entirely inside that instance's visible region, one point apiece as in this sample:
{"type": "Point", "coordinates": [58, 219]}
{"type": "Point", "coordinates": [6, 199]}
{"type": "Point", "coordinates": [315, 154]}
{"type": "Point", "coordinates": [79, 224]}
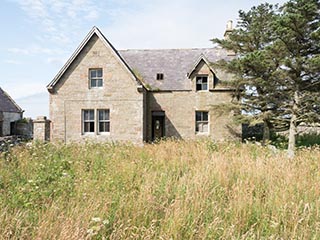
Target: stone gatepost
{"type": "Point", "coordinates": [41, 129]}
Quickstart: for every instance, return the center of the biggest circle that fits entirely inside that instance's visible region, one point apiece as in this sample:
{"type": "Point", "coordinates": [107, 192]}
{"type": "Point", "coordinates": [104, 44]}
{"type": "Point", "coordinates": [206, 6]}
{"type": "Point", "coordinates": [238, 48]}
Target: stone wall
{"type": "Point", "coordinates": [130, 105]}
{"type": "Point", "coordinates": [7, 119]}
{"type": "Point", "coordinates": [180, 108]}
{"type": "Point", "coordinates": [23, 127]}
{"type": "Point", "coordinates": [121, 94]}
{"type": "Point", "coordinates": [41, 129]}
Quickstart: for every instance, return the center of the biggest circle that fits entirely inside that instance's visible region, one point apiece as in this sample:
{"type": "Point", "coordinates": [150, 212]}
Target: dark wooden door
{"type": "Point", "coordinates": [1, 124]}
{"type": "Point", "coordinates": [157, 127]}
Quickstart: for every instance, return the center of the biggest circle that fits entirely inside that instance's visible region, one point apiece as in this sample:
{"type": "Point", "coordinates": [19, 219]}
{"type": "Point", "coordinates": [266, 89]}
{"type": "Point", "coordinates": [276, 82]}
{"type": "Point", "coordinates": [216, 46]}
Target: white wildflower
{"type": "Point", "coordinates": [96, 219]}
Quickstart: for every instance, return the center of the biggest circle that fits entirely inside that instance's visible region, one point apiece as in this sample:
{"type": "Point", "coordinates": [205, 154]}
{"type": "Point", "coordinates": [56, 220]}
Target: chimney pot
{"type": "Point", "coordinates": [229, 25]}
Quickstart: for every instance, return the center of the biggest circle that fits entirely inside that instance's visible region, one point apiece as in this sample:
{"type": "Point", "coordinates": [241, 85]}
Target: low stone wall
{"type": "Point", "coordinates": [23, 127]}
{"type": "Point", "coordinates": [10, 141]}
{"type": "Point", "coordinates": [309, 129]}
{"type": "Point", "coordinates": [256, 131]}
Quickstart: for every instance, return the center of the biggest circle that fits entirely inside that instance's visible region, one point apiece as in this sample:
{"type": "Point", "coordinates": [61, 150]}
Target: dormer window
{"type": "Point", "coordinates": [202, 83]}
{"type": "Point", "coordinates": [95, 78]}
{"type": "Point", "coordinates": [159, 76]}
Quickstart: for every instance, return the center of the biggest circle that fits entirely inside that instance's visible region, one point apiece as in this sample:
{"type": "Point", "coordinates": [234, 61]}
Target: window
{"type": "Point", "coordinates": [95, 77]}
{"type": "Point", "coordinates": [104, 120]}
{"type": "Point", "coordinates": [202, 122]}
{"type": "Point", "coordinates": [202, 83]}
{"type": "Point", "coordinates": [159, 76]}
{"type": "Point", "coordinates": [88, 121]}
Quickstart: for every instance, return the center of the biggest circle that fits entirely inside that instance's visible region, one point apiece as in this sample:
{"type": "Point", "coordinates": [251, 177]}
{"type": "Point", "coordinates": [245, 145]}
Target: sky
{"type": "Point", "coordinates": [38, 36]}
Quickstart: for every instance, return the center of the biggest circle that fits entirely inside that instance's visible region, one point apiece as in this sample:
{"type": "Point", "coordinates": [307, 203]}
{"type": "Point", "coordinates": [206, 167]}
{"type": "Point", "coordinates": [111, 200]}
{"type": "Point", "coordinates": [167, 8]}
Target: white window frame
{"type": "Point", "coordinates": [103, 121]}
{"type": "Point", "coordinates": [95, 78]}
{"type": "Point", "coordinates": [199, 124]}
{"type": "Point", "coordinates": [200, 79]}
{"type": "Point", "coordinates": [85, 121]}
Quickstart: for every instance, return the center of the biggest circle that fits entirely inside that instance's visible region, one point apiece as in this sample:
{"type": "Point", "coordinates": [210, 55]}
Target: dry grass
{"type": "Point", "coordinates": [170, 190]}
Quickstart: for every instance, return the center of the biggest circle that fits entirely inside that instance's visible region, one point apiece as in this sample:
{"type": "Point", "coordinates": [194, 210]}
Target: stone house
{"type": "Point", "coordinates": [138, 95]}
{"type": "Point", "coordinates": [10, 112]}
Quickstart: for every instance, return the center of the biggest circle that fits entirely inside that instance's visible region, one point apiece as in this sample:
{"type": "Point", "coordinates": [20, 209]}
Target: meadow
{"type": "Point", "coordinates": [169, 190]}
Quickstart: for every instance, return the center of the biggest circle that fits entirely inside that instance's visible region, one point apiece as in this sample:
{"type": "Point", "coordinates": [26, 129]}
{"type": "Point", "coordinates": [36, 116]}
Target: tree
{"type": "Point", "coordinates": [254, 67]}
{"type": "Point", "coordinates": [277, 65]}
{"type": "Point", "coordinates": [298, 33]}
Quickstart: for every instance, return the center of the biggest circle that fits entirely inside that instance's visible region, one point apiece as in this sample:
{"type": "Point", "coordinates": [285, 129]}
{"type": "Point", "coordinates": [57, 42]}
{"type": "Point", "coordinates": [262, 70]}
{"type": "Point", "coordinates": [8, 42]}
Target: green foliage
{"type": "Point", "coordinates": [23, 120]}
{"type": "Point", "coordinates": [308, 140]}
{"type": "Point", "coordinates": [277, 65]}
{"type": "Point", "coordinates": [302, 140]}
{"type": "Point", "coordinates": [254, 67]}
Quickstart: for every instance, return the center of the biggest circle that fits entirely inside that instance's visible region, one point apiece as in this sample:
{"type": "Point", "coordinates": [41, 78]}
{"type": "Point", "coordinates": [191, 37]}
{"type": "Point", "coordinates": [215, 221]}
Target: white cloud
{"type": "Point", "coordinates": [13, 62]}
{"type": "Point", "coordinates": [25, 88]}
{"type": "Point", "coordinates": [56, 61]}
{"type": "Point", "coordinates": [34, 50]}
{"type": "Point", "coordinates": [92, 15]}
{"type": "Point", "coordinates": [22, 51]}
{"type": "Point", "coordinates": [56, 18]}
{"type": "Point", "coordinates": [168, 24]}
{"type": "Point", "coordinates": [35, 8]}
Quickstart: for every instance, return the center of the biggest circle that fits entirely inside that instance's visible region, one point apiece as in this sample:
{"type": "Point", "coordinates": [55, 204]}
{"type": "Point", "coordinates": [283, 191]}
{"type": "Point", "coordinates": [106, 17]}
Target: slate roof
{"type": "Point", "coordinates": [175, 64]}
{"type": "Point", "coordinates": [7, 104]}
{"type": "Point", "coordinates": [143, 65]}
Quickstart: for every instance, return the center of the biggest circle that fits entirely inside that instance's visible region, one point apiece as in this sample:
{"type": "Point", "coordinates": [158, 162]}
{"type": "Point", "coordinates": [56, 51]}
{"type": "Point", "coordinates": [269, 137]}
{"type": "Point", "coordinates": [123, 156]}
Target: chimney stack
{"type": "Point", "coordinates": [229, 29]}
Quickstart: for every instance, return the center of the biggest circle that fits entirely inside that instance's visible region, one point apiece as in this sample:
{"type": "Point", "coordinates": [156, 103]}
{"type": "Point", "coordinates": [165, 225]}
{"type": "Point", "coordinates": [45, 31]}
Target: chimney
{"type": "Point", "coordinates": [229, 29]}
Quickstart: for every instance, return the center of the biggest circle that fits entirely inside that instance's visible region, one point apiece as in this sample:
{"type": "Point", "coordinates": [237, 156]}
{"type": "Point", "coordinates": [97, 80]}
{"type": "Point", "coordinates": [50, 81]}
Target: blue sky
{"type": "Point", "coordinates": [38, 36]}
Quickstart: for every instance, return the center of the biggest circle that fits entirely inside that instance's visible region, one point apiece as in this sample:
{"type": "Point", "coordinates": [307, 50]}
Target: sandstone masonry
{"type": "Point", "coordinates": [130, 103]}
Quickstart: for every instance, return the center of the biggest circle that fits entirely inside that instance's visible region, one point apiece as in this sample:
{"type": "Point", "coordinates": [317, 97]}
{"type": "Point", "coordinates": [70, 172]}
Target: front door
{"type": "Point", "coordinates": [157, 127]}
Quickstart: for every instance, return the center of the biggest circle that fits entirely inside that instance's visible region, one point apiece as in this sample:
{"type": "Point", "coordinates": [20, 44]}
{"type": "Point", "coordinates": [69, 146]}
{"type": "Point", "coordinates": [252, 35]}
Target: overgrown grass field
{"type": "Point", "coordinates": [170, 190]}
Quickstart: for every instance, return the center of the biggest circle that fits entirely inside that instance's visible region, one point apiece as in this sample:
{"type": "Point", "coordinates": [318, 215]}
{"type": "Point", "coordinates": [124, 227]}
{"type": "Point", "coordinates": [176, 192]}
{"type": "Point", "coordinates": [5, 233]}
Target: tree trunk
{"type": "Point", "coordinates": [292, 136]}
{"type": "Point", "coordinates": [293, 126]}
{"type": "Point", "coordinates": [266, 133]}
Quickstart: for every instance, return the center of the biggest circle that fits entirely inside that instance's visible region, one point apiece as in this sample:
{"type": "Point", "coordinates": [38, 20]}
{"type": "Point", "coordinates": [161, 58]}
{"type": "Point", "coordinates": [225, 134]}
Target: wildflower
{"type": "Point", "coordinates": [96, 219]}
{"type": "Point", "coordinates": [105, 222]}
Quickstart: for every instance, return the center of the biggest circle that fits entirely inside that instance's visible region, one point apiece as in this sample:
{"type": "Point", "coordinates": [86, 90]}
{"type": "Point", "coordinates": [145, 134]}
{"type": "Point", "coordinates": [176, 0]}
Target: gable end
{"type": "Point", "coordinates": [97, 32]}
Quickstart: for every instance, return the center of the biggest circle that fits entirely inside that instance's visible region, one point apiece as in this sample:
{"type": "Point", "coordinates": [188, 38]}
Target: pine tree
{"type": "Point", "coordinates": [277, 65]}
{"type": "Point", "coordinates": [298, 33]}
{"type": "Point", "coordinates": [254, 67]}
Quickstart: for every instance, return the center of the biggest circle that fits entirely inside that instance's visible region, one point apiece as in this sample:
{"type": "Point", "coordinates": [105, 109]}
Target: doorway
{"type": "Point", "coordinates": [158, 125]}
{"type": "Point", "coordinates": [1, 128]}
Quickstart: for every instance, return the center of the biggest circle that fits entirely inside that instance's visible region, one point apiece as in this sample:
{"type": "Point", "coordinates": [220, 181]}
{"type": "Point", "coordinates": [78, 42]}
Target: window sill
{"type": "Point", "coordinates": [202, 90]}
{"type": "Point", "coordinates": [202, 133]}
{"type": "Point", "coordinates": [88, 133]}
{"type": "Point", "coordinates": [96, 87]}
{"type": "Point", "coordinates": [93, 133]}
{"type": "Point", "coordinates": [103, 133]}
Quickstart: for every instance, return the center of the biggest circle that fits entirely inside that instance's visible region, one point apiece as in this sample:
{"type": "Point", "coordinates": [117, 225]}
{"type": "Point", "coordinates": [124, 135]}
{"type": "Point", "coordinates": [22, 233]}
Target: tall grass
{"type": "Point", "coordinates": [170, 190]}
